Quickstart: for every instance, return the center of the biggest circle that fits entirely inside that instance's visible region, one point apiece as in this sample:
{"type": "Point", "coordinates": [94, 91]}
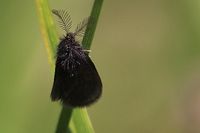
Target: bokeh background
{"type": "Point", "coordinates": [146, 51]}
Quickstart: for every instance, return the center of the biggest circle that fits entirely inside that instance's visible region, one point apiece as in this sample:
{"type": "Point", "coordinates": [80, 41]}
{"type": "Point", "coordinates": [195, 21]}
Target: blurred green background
{"type": "Point", "coordinates": [146, 51]}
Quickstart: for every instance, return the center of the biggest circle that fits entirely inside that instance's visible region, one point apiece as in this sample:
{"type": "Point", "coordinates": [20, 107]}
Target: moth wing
{"type": "Point", "coordinates": [81, 89]}
{"type": "Point", "coordinates": [87, 86]}
{"type": "Point", "coordinates": [58, 84]}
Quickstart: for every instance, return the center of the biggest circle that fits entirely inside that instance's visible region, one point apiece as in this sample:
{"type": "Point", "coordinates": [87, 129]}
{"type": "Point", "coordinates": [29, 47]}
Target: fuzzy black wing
{"type": "Point", "coordinates": [81, 89]}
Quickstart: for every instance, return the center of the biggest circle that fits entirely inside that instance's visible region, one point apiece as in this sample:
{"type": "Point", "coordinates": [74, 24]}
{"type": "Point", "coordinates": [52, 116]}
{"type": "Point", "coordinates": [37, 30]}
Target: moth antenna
{"type": "Point", "coordinates": [64, 19]}
{"type": "Point", "coordinates": [81, 27]}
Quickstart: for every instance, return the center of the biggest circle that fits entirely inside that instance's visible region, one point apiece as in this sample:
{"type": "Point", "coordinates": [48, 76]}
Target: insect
{"type": "Point", "coordinates": [76, 81]}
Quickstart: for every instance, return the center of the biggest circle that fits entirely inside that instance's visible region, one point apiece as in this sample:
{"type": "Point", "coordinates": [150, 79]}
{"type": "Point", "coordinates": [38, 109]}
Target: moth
{"type": "Point", "coordinates": [76, 80]}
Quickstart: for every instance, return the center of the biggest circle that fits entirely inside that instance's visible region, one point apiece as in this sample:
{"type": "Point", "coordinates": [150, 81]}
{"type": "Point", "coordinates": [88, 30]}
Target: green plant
{"type": "Point", "coordinates": [71, 120]}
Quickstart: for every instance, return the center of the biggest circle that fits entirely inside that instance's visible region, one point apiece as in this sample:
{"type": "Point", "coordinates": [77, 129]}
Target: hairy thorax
{"type": "Point", "coordinates": [69, 53]}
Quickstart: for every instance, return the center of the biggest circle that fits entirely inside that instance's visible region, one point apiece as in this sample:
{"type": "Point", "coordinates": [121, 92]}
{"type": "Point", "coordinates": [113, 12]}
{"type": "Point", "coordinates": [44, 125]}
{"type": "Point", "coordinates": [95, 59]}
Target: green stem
{"type": "Point", "coordinates": [70, 120]}
{"type": "Point", "coordinates": [64, 120]}
{"type": "Point", "coordinates": [94, 16]}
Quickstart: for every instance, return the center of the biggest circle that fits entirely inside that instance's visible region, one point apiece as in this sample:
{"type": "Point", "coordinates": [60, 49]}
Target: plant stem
{"type": "Point", "coordinates": [94, 16]}
{"type": "Point", "coordinates": [64, 120]}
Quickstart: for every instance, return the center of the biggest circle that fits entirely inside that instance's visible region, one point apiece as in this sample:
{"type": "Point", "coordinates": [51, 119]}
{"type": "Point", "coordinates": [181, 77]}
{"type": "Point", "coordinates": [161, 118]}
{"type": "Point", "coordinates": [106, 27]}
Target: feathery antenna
{"type": "Point", "coordinates": [81, 27]}
{"type": "Point", "coordinates": [64, 19]}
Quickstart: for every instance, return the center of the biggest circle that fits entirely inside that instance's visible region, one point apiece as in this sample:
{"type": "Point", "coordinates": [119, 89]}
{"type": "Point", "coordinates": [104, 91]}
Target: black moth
{"type": "Point", "coordinates": [76, 81]}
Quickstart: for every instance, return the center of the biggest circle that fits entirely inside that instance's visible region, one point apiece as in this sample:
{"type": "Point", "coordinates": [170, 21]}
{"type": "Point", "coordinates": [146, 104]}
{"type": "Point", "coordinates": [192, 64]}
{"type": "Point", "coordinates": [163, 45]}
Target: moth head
{"type": "Point", "coordinates": [70, 37]}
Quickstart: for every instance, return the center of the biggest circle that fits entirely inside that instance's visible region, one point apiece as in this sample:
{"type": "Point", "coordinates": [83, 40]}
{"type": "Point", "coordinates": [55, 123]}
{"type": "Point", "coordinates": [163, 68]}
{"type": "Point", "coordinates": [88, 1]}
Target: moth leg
{"type": "Point", "coordinates": [87, 51]}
